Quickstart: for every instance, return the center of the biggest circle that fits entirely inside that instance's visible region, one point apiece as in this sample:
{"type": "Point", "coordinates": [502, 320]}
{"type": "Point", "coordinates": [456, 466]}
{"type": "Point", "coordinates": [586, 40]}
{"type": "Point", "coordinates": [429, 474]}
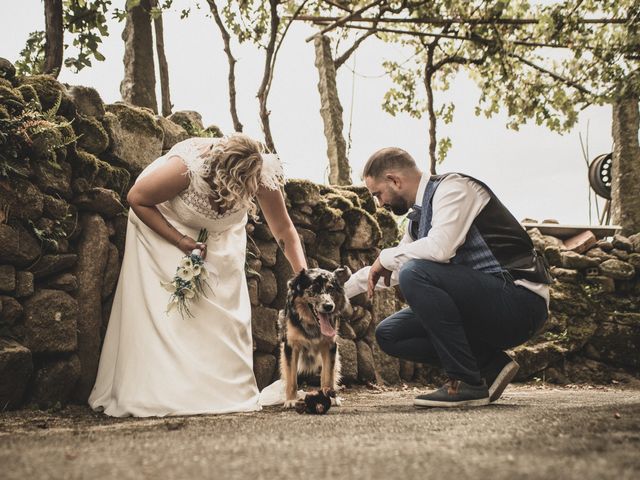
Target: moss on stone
{"type": "Point", "coordinates": [47, 88]}
{"type": "Point", "coordinates": [136, 120]}
{"type": "Point", "coordinates": [93, 137]}
{"type": "Point", "coordinates": [328, 217]}
{"type": "Point", "coordinates": [579, 330]}
{"type": "Point", "coordinates": [4, 113]}
{"type": "Point", "coordinates": [5, 83]}
{"type": "Point", "coordinates": [326, 189]}
{"type": "Point", "coordinates": [67, 132]}
{"type": "Point", "coordinates": [347, 194]}
{"type": "Point", "coordinates": [213, 131]}
{"type": "Point", "coordinates": [570, 298]}
{"type": "Point", "coordinates": [189, 120]}
{"type": "Point", "coordinates": [366, 200]}
{"type": "Point", "coordinates": [302, 192]}
{"type": "Point", "coordinates": [87, 100]}
{"type": "Point", "coordinates": [362, 229]}
{"type": "Point", "coordinates": [29, 94]}
{"type": "Point", "coordinates": [12, 99]}
{"type": "Point", "coordinates": [100, 173]}
{"type": "Point", "coordinates": [7, 70]}
{"type": "Point", "coordinates": [44, 140]}
{"type": "Point", "coordinates": [391, 234]}
{"type": "Point", "coordinates": [335, 200]}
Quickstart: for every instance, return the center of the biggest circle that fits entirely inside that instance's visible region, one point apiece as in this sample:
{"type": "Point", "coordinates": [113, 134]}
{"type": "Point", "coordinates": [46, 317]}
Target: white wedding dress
{"type": "Point", "coordinates": [155, 363]}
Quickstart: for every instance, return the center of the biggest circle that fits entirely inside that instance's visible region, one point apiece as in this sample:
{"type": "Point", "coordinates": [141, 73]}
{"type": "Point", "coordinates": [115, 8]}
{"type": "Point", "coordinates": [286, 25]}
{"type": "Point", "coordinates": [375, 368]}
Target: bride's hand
{"type": "Point", "coordinates": [188, 244]}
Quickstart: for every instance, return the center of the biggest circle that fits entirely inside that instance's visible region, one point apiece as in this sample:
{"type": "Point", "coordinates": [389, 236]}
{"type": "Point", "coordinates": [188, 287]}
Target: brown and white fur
{"type": "Point", "coordinates": [308, 328]}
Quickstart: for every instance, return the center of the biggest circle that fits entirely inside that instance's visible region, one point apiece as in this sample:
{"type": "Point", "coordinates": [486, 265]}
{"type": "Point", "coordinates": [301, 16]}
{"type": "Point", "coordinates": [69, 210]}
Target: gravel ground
{"type": "Point", "coordinates": [531, 432]}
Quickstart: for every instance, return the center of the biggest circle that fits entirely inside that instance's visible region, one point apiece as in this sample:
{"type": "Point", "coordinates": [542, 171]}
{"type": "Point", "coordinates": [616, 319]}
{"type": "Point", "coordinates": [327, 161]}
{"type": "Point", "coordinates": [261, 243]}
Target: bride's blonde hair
{"type": "Point", "coordinates": [234, 175]}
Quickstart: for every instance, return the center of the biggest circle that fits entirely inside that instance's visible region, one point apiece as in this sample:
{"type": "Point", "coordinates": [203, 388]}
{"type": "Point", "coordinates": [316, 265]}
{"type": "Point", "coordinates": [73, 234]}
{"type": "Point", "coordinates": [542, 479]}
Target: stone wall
{"type": "Point", "coordinates": [593, 331]}
{"type": "Point", "coordinates": [66, 164]}
{"type": "Point", "coordinates": [67, 161]}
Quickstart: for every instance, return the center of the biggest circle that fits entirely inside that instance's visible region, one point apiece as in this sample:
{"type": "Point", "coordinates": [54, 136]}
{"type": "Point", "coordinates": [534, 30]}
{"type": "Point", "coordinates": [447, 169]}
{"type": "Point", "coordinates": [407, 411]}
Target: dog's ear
{"type": "Point", "coordinates": [342, 274]}
{"type": "Point", "coordinates": [300, 282]}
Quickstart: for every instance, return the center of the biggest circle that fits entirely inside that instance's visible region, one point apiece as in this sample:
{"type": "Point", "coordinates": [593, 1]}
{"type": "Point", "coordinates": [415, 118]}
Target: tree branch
{"type": "Point", "coordinates": [345, 56]}
{"type": "Point", "coordinates": [340, 21]}
{"type": "Point", "coordinates": [263, 91]}
{"type": "Point", "coordinates": [338, 6]}
{"type": "Point", "coordinates": [275, 54]}
{"type": "Point", "coordinates": [226, 38]}
{"type": "Point", "coordinates": [554, 75]}
{"type": "Point", "coordinates": [467, 21]}
{"type": "Point", "coordinates": [449, 36]}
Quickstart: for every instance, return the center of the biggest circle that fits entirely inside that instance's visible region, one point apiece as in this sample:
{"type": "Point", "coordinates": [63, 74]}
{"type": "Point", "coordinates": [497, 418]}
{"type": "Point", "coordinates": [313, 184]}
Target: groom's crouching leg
{"type": "Point", "coordinates": [413, 276]}
{"type": "Point", "coordinates": [385, 335]}
{"type": "Point", "coordinates": [402, 335]}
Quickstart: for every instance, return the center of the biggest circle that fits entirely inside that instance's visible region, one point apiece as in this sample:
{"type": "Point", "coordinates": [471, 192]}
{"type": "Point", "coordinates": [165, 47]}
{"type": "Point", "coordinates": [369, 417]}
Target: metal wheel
{"type": "Point", "coordinates": [600, 175]}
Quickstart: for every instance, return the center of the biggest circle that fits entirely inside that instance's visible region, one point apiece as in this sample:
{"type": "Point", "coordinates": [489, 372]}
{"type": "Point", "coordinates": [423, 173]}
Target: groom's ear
{"type": "Point", "coordinates": [342, 274]}
{"type": "Point", "coordinates": [300, 282]}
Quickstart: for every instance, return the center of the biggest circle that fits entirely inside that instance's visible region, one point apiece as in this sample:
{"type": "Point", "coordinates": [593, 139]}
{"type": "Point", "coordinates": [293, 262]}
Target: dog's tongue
{"type": "Point", "coordinates": [325, 327]}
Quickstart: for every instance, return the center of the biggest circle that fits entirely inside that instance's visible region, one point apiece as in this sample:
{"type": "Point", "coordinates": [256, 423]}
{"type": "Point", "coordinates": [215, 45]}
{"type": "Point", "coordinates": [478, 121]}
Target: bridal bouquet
{"type": "Point", "coordinates": [190, 280]}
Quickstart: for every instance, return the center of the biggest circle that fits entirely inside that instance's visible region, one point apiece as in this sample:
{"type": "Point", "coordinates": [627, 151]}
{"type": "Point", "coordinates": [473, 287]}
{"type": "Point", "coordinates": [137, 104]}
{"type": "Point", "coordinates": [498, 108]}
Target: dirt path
{"type": "Point", "coordinates": [569, 433]}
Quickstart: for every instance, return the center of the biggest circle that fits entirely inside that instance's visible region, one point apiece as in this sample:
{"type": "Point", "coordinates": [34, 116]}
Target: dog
{"type": "Point", "coordinates": [308, 327]}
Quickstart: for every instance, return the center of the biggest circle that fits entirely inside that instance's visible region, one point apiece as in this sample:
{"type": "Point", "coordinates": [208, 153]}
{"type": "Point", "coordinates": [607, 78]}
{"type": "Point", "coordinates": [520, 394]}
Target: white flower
{"type": "Point", "coordinates": [185, 273]}
{"type": "Point", "coordinates": [188, 293]}
{"type": "Point", "coordinates": [186, 262]}
{"type": "Point", "coordinates": [172, 304]}
{"type": "Point", "coordinates": [197, 269]}
{"type": "Point", "coordinates": [203, 272]}
{"type": "Point", "coordinates": [168, 286]}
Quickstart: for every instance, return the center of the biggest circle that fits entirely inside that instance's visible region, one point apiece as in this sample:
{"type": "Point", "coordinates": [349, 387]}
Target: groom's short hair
{"type": "Point", "coordinates": [386, 159]}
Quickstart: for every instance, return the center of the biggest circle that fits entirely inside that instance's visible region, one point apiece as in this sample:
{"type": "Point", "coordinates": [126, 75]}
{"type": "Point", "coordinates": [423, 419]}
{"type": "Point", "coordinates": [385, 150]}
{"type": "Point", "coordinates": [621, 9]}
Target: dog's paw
{"type": "Point", "coordinates": [290, 403]}
{"type": "Point", "coordinates": [336, 401]}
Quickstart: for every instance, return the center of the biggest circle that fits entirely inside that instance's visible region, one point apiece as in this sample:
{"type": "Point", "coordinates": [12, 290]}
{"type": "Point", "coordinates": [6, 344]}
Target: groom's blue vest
{"type": "Point", "coordinates": [496, 242]}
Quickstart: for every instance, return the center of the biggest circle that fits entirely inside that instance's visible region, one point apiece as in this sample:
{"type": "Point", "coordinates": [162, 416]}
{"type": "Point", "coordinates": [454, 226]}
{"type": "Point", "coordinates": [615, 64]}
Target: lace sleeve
{"type": "Point", "coordinates": [190, 151]}
{"type": "Point", "coordinates": [272, 175]}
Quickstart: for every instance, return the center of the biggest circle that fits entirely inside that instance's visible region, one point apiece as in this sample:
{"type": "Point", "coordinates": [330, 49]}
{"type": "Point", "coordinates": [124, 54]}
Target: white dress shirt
{"type": "Point", "coordinates": [456, 203]}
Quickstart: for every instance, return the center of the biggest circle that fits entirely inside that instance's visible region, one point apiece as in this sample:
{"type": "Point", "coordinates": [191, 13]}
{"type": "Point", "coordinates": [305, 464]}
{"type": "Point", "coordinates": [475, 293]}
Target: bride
{"type": "Point", "coordinates": [155, 363]}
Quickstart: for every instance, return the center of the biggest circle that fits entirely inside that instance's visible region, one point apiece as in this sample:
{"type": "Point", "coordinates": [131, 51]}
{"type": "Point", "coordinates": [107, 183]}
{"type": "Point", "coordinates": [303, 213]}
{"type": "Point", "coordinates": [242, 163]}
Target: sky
{"type": "Point", "coordinates": [536, 173]}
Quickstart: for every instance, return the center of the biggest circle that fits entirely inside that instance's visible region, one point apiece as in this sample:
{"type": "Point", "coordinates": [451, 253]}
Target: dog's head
{"type": "Point", "coordinates": [322, 293]}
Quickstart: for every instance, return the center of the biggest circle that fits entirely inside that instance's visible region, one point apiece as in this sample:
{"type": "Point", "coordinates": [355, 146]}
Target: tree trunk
{"type": "Point", "coordinates": [263, 91]}
{"type": "Point", "coordinates": [331, 112]}
{"type": "Point", "coordinates": [428, 78]}
{"type": "Point", "coordinates": [54, 44]}
{"type": "Point", "coordinates": [163, 66]}
{"type": "Point", "coordinates": [226, 38]}
{"type": "Point", "coordinates": [139, 84]}
{"type": "Point", "coordinates": [625, 201]}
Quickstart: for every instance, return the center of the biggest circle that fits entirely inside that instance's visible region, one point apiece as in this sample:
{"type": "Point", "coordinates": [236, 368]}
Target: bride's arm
{"type": "Point", "coordinates": [158, 186]}
{"type": "Point", "coordinates": [275, 213]}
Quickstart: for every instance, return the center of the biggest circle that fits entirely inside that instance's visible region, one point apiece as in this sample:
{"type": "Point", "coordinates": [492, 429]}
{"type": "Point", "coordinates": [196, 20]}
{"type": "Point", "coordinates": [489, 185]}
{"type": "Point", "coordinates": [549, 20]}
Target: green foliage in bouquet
{"type": "Point", "coordinates": [190, 281]}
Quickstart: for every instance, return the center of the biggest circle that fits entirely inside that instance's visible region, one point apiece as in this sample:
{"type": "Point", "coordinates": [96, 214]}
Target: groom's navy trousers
{"type": "Point", "coordinates": [459, 318]}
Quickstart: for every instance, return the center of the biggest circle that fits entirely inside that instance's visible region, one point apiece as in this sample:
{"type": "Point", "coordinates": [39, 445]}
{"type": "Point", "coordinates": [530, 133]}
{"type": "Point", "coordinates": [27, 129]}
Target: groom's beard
{"type": "Point", "coordinates": [397, 205]}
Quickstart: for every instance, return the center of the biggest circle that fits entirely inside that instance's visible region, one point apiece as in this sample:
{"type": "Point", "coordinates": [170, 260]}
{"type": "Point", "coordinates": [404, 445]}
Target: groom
{"type": "Point", "coordinates": [474, 284]}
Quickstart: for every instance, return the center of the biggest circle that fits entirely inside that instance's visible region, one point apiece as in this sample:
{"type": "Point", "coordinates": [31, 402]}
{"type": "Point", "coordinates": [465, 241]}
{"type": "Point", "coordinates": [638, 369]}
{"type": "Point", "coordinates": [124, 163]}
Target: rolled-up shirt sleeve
{"type": "Point", "coordinates": [456, 203]}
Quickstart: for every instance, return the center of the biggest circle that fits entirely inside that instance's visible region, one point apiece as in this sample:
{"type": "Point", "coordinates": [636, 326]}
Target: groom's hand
{"type": "Point", "coordinates": [377, 271]}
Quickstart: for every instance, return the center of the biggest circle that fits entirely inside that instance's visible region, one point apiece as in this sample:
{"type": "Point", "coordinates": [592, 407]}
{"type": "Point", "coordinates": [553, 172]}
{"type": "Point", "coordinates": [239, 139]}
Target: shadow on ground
{"type": "Point", "coordinates": [532, 432]}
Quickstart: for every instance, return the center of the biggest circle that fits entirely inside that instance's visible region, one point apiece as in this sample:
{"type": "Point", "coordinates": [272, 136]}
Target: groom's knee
{"type": "Point", "coordinates": [413, 274]}
{"type": "Point", "coordinates": [384, 335]}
